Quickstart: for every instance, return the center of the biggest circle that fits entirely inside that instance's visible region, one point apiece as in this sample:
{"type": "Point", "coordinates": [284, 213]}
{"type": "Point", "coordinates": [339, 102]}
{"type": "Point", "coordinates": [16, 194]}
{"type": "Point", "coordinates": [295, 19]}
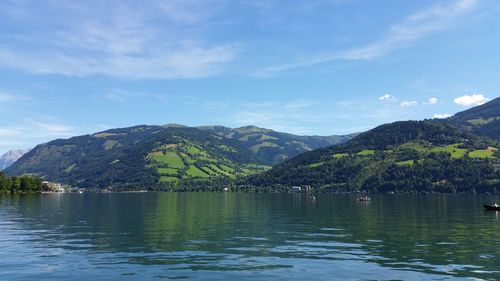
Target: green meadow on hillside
{"type": "Point", "coordinates": [186, 160]}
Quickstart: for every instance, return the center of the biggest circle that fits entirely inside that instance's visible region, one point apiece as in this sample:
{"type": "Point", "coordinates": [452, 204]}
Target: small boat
{"type": "Point", "coordinates": [492, 207]}
{"type": "Point", "coordinates": [364, 199]}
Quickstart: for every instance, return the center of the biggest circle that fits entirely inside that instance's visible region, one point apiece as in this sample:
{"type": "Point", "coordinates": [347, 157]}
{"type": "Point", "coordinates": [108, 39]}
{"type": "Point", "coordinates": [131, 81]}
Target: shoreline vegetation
{"type": "Point", "coordinates": [32, 184]}
{"type": "Point", "coordinates": [29, 184]}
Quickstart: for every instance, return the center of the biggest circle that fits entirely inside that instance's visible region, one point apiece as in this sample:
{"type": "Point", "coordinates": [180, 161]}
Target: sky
{"type": "Point", "coordinates": [308, 67]}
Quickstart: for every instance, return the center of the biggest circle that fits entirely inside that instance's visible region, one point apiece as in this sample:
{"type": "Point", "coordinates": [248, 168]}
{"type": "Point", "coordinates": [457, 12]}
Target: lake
{"type": "Point", "coordinates": [230, 236]}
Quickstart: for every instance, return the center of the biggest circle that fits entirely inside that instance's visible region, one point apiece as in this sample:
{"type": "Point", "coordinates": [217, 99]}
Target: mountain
{"type": "Point", "coordinates": [140, 157]}
{"type": "Point", "coordinates": [275, 147]}
{"type": "Point", "coordinates": [10, 157]}
{"type": "Point", "coordinates": [428, 155]}
{"type": "Point", "coordinates": [482, 120]}
{"type": "Point", "coordinates": [165, 156]}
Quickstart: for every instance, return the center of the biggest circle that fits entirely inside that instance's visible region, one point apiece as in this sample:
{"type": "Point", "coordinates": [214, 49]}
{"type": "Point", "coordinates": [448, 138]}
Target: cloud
{"type": "Point", "coordinates": [407, 103]}
{"type": "Point", "coordinates": [27, 133]}
{"type": "Point", "coordinates": [9, 132]}
{"type": "Point", "coordinates": [300, 103]}
{"type": "Point", "coordinates": [403, 34]}
{"type": "Point", "coordinates": [189, 11]}
{"type": "Point", "coordinates": [471, 100]}
{"type": "Point", "coordinates": [123, 96]}
{"type": "Point", "coordinates": [125, 40]}
{"type": "Point", "coordinates": [433, 100]}
{"type": "Point", "coordinates": [10, 98]}
{"type": "Point", "coordinates": [43, 129]}
{"type": "Point", "coordinates": [387, 97]}
{"type": "Point", "coordinates": [442, 115]}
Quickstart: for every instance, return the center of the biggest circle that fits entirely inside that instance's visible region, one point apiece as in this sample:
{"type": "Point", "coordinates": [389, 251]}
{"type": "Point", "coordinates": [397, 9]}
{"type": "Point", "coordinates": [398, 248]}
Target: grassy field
{"type": "Point", "coordinates": [226, 168]}
{"type": "Point", "coordinates": [193, 171]}
{"type": "Point", "coordinates": [218, 170]}
{"type": "Point", "coordinates": [168, 171]}
{"type": "Point", "coordinates": [169, 179]}
{"type": "Point", "coordinates": [257, 147]}
{"type": "Point", "coordinates": [171, 159]}
{"type": "Point", "coordinates": [185, 159]}
{"type": "Point", "coordinates": [481, 121]}
{"type": "Point", "coordinates": [452, 149]}
{"type": "Point", "coordinates": [209, 171]}
{"type": "Point", "coordinates": [405, 163]}
{"type": "Point", "coordinates": [340, 155]}
{"type": "Point", "coordinates": [317, 164]}
{"type": "Point", "coordinates": [485, 153]}
{"type": "Point", "coordinates": [366, 152]}
{"type": "Point", "coordinates": [193, 150]}
{"type": "Point", "coordinates": [109, 144]}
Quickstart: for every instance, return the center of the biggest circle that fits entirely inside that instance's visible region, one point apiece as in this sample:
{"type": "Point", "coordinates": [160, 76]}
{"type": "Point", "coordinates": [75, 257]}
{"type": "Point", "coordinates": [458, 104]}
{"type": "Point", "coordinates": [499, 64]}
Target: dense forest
{"type": "Point", "coordinates": [23, 184]}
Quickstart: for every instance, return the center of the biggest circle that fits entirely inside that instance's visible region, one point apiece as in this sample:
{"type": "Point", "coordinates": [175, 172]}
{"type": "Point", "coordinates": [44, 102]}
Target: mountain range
{"type": "Point", "coordinates": [455, 154]}
{"type": "Point", "coordinates": [164, 156]}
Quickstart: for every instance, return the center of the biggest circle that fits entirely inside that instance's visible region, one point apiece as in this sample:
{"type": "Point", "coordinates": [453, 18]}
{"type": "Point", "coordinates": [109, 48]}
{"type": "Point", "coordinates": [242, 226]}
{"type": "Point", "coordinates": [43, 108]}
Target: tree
{"type": "Point", "coordinates": [4, 183]}
{"type": "Point", "coordinates": [15, 184]}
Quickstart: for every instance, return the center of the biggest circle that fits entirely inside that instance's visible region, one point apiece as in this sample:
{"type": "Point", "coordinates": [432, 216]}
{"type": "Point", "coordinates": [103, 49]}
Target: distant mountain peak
{"type": "Point", "coordinates": [11, 156]}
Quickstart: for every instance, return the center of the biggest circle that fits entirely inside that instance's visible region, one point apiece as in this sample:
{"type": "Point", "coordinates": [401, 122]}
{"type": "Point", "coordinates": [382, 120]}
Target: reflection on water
{"type": "Point", "coordinates": [224, 236]}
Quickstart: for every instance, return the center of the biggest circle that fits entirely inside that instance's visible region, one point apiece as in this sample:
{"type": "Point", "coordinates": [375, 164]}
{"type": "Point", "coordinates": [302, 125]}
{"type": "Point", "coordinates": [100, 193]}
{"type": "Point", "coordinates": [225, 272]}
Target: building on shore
{"type": "Point", "coordinates": [52, 187]}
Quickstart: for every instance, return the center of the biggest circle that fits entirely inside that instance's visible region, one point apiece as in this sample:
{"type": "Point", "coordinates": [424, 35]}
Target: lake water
{"type": "Point", "coordinates": [227, 236]}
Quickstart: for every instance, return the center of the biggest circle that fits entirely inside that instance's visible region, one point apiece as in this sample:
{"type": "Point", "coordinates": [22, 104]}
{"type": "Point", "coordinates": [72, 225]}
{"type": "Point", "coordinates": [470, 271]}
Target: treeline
{"type": "Point", "coordinates": [23, 184]}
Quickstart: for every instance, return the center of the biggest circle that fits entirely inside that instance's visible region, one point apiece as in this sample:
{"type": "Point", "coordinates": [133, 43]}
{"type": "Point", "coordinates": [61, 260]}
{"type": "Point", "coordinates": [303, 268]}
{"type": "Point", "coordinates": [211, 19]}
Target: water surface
{"type": "Point", "coordinates": [227, 236]}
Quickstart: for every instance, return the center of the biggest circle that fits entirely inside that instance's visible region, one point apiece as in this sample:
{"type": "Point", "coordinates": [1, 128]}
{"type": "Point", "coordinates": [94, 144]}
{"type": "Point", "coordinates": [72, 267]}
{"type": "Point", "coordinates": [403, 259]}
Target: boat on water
{"type": "Point", "coordinates": [364, 199]}
{"type": "Point", "coordinates": [492, 207]}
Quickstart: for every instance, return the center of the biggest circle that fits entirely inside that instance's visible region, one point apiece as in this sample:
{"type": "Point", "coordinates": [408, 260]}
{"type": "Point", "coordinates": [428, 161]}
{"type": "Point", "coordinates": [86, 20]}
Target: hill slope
{"type": "Point", "coordinates": [411, 156]}
{"type": "Point", "coordinates": [275, 147]}
{"type": "Point", "coordinates": [482, 120]}
{"type": "Point", "coordinates": [139, 157]}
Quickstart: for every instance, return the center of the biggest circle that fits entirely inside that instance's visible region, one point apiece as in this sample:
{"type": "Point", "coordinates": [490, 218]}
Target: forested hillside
{"type": "Point", "coordinates": [403, 156]}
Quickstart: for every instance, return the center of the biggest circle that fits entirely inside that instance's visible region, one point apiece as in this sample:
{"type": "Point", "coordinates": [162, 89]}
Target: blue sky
{"type": "Point", "coordinates": [306, 67]}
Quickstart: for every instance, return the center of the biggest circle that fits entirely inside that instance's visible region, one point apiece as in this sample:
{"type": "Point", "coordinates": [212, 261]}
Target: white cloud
{"type": "Point", "coordinates": [50, 129]}
{"type": "Point", "coordinates": [29, 132]}
{"type": "Point", "coordinates": [300, 103]}
{"type": "Point", "coordinates": [387, 97]}
{"type": "Point", "coordinates": [442, 115]}
{"type": "Point", "coordinates": [10, 98]}
{"type": "Point", "coordinates": [123, 40]}
{"type": "Point", "coordinates": [403, 34]}
{"type": "Point", "coordinates": [471, 100]}
{"type": "Point", "coordinates": [189, 11]}
{"type": "Point", "coordinates": [407, 103]}
{"type": "Point", "coordinates": [9, 132]}
{"type": "Point", "coordinates": [433, 100]}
